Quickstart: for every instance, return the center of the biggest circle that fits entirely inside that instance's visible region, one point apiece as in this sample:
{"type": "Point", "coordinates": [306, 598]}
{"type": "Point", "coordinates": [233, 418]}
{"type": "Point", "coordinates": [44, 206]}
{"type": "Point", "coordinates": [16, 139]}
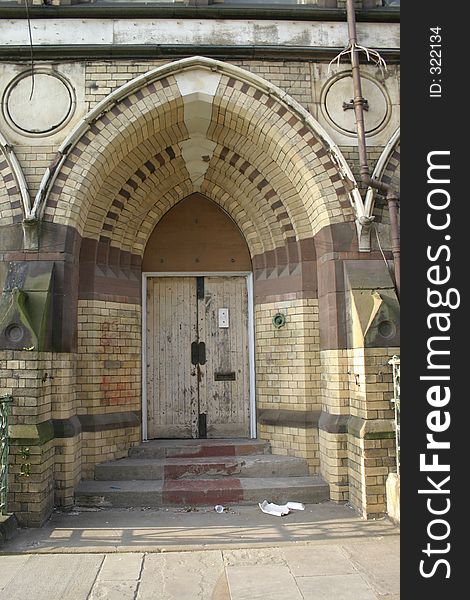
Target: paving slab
{"type": "Point", "coordinates": [378, 564]}
{"type": "Point", "coordinates": [271, 573]}
{"type": "Point", "coordinates": [121, 567]}
{"type": "Point", "coordinates": [317, 561]}
{"type": "Point", "coordinates": [117, 590]}
{"type": "Point", "coordinates": [260, 582]}
{"type": "Point", "coordinates": [180, 576]}
{"type": "Point", "coordinates": [221, 589]}
{"type": "Point", "coordinates": [11, 566]}
{"type": "Point", "coordinates": [250, 557]}
{"type": "Point", "coordinates": [56, 577]}
{"type": "Point", "coordinates": [329, 587]}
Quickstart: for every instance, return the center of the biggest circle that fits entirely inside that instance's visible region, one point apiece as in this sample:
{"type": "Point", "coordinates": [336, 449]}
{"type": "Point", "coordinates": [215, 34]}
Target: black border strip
{"type": "Point", "coordinates": [434, 525]}
{"type": "Point", "coordinates": [111, 11]}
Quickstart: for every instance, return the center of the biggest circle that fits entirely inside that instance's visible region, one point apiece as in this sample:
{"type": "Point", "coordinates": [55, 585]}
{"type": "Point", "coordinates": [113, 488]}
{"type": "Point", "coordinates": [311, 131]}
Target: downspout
{"type": "Point", "coordinates": [386, 190]}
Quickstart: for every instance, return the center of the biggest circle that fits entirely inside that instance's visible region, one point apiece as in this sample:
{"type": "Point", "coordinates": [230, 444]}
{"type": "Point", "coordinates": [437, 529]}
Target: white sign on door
{"type": "Point", "coordinates": [223, 317]}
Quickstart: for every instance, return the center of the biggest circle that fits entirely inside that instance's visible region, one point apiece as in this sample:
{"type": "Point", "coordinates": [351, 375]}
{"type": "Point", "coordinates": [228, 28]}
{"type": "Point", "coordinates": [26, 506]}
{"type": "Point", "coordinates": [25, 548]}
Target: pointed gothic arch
{"type": "Point", "coordinates": [198, 125]}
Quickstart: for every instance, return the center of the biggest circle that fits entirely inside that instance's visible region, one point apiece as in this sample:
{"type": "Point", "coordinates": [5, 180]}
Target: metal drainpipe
{"type": "Point", "coordinates": [388, 191]}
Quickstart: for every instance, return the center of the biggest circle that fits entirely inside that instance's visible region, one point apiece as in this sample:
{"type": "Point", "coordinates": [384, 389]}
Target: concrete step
{"type": "Point", "coordinates": [198, 448]}
{"type": "Point", "coordinates": [254, 465]}
{"type": "Point", "coordinates": [201, 492]}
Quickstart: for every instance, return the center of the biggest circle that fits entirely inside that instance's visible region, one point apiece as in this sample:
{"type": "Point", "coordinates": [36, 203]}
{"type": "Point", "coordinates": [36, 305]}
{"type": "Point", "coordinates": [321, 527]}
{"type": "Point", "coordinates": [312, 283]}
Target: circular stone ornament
{"type": "Point", "coordinates": [14, 333]}
{"type": "Point", "coordinates": [47, 110]}
{"type": "Point", "coordinates": [340, 91]}
{"type": "Point", "coordinates": [387, 329]}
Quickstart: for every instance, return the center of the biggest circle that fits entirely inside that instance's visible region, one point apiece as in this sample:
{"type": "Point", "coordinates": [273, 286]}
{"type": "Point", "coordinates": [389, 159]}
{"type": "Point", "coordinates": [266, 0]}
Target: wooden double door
{"type": "Point", "coordinates": [197, 357]}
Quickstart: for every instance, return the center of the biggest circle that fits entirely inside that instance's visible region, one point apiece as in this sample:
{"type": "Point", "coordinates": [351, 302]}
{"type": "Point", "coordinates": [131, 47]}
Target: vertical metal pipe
{"type": "Point", "coordinates": [395, 231]}
{"type": "Point", "coordinates": [387, 190]}
{"type": "Point", "coordinates": [357, 86]}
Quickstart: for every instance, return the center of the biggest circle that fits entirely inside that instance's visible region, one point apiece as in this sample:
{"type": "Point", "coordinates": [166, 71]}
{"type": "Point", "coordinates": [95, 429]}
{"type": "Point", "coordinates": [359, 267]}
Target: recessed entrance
{"type": "Point", "coordinates": [198, 342]}
{"type": "Point", "coordinates": [197, 357]}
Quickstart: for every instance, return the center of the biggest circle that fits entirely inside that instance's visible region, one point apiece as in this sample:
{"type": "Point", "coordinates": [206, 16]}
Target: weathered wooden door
{"type": "Point", "coordinates": [172, 388]}
{"type": "Point", "coordinates": [197, 357]}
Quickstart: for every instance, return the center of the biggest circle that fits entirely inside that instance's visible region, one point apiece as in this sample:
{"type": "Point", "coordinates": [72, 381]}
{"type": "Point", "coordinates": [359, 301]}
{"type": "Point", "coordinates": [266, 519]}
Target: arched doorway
{"type": "Point", "coordinates": [199, 126]}
{"type": "Point", "coordinates": [197, 326]}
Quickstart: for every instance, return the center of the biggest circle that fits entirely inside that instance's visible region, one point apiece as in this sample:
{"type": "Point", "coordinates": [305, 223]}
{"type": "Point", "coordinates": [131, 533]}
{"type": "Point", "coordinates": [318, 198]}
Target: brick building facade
{"type": "Point", "coordinates": [134, 113]}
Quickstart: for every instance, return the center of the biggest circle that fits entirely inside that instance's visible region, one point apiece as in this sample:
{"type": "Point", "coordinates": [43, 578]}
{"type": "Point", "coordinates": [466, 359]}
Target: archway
{"type": "Point", "coordinates": [202, 126]}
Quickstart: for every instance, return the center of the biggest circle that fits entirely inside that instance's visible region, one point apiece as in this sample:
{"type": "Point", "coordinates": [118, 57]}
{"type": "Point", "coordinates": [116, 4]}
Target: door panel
{"type": "Point", "coordinates": [224, 389]}
{"type": "Point", "coordinates": [172, 379]}
{"type": "Point", "coordinates": [187, 395]}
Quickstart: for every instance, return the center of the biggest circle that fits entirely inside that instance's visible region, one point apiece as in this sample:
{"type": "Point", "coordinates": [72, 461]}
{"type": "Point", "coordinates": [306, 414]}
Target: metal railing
{"type": "Point", "coordinates": [395, 362]}
{"type": "Point", "coordinates": [5, 402]}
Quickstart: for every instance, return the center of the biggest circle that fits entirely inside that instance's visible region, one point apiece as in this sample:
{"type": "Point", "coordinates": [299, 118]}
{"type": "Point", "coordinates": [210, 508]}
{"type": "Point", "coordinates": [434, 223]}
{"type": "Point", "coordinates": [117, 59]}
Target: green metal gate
{"type": "Point", "coordinates": [5, 402]}
{"type": "Point", "coordinates": [395, 362]}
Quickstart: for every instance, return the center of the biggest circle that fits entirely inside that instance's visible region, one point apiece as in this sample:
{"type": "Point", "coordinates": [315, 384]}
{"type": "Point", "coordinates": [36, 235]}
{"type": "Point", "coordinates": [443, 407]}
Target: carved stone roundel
{"type": "Point", "coordinates": [40, 107]}
{"type": "Point", "coordinates": [341, 92]}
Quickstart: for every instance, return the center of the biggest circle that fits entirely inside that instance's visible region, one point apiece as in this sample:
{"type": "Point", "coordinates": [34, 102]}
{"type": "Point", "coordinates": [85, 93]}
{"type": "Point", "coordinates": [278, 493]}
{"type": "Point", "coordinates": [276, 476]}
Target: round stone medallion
{"type": "Point", "coordinates": [47, 110]}
{"type": "Point", "coordinates": [338, 99]}
{"type": "Point", "coordinates": [387, 329]}
{"type": "Point", "coordinates": [14, 333]}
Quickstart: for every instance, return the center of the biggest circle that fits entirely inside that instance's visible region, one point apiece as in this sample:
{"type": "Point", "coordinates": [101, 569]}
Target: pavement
{"type": "Point", "coordinates": [326, 552]}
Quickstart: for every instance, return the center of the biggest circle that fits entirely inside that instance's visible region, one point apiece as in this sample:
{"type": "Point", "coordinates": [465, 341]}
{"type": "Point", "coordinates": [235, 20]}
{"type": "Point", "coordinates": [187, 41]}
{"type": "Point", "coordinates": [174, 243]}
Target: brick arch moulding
{"type": "Point", "coordinates": [15, 202]}
{"type": "Point", "coordinates": [203, 109]}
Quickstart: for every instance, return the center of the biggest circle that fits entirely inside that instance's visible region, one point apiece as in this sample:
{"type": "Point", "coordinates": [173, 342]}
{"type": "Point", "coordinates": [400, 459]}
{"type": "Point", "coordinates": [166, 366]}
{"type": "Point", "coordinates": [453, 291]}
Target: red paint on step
{"type": "Point", "coordinates": [205, 450]}
{"type": "Point", "coordinates": [202, 491]}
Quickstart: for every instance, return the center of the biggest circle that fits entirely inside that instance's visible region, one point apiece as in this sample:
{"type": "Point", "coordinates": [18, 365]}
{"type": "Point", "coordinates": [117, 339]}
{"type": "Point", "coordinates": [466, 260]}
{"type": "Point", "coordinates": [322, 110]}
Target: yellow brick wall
{"type": "Point", "coordinates": [34, 160]}
{"type": "Point", "coordinates": [371, 382]}
{"type": "Point", "coordinates": [358, 382]}
{"type": "Point", "coordinates": [43, 387]}
{"type": "Point", "coordinates": [356, 476]}
{"type": "Point", "coordinates": [334, 458]}
{"type": "Point", "coordinates": [42, 383]}
{"type": "Point", "coordinates": [288, 374]}
{"type": "Point", "coordinates": [370, 462]}
{"type": "Point", "coordinates": [31, 482]}
{"type": "Point", "coordinates": [109, 357]}
{"type": "Point", "coordinates": [287, 359]}
{"type": "Point", "coordinates": [102, 446]}
{"type": "Point", "coordinates": [293, 441]}
{"type": "Point", "coordinates": [335, 381]}
{"type": "Point", "coordinates": [67, 469]}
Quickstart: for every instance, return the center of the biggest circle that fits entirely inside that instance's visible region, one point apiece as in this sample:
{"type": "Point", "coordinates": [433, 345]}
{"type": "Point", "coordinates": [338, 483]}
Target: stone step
{"type": "Point", "coordinates": [8, 527]}
{"type": "Point", "coordinates": [199, 448]}
{"type": "Point", "coordinates": [201, 492]}
{"type": "Point", "coordinates": [254, 465]}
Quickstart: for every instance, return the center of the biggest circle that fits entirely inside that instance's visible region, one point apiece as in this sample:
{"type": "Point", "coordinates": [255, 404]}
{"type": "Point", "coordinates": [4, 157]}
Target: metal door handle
{"type": "Point", "coordinates": [202, 353]}
{"type": "Point", "coordinates": [194, 353]}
